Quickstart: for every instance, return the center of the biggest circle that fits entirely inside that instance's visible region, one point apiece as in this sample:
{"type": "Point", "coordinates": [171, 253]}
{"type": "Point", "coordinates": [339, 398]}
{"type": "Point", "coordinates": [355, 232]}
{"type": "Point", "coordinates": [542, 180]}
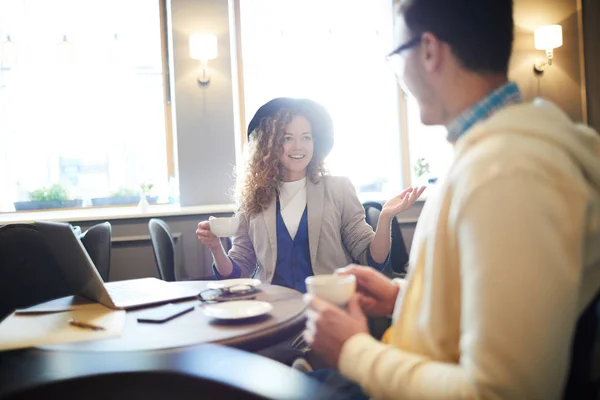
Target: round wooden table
{"type": "Point", "coordinates": [193, 328]}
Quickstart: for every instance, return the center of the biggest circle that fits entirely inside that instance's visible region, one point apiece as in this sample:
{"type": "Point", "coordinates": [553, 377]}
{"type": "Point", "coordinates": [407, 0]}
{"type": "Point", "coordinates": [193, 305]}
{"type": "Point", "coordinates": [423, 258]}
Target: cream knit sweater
{"type": "Point", "coordinates": [505, 258]}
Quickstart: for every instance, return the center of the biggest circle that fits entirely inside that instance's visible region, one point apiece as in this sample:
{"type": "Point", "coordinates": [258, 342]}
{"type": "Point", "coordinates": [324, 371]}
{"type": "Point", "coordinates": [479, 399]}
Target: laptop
{"type": "Point", "coordinates": [80, 271]}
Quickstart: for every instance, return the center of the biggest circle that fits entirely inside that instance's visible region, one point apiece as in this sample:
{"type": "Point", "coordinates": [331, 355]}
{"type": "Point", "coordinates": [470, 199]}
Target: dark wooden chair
{"type": "Point", "coordinates": [398, 253]}
{"type": "Point", "coordinates": [97, 242]}
{"type": "Point", "coordinates": [199, 372]}
{"type": "Point", "coordinates": [29, 273]}
{"type": "Point", "coordinates": [396, 267]}
{"type": "Point", "coordinates": [165, 252]}
{"type": "Point", "coordinates": [583, 382]}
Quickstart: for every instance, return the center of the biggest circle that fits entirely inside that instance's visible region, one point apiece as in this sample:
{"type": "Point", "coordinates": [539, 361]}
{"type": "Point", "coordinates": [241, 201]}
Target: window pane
{"type": "Point", "coordinates": [316, 49]}
{"type": "Point", "coordinates": [427, 144]}
{"type": "Point", "coordinates": [81, 98]}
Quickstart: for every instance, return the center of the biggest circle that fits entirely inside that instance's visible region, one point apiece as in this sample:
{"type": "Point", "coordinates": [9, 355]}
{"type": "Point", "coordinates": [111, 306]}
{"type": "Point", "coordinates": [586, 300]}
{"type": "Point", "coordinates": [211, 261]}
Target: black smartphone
{"type": "Point", "coordinates": [165, 313]}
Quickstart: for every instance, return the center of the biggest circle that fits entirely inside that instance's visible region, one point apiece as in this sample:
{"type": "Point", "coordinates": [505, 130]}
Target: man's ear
{"type": "Point", "coordinates": [432, 52]}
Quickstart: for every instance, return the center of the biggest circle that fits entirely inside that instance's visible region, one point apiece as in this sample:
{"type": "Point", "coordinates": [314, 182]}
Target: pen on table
{"type": "Point", "coordinates": [86, 325]}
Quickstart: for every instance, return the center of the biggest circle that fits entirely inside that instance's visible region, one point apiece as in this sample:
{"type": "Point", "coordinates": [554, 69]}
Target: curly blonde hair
{"type": "Point", "coordinates": [263, 172]}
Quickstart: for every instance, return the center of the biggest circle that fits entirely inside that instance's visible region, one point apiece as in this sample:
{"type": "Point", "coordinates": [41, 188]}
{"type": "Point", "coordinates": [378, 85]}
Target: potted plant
{"type": "Point", "coordinates": [423, 173]}
{"type": "Point", "coordinates": [123, 196]}
{"type": "Point", "coordinates": [45, 198]}
{"type": "Point", "coordinates": [144, 200]}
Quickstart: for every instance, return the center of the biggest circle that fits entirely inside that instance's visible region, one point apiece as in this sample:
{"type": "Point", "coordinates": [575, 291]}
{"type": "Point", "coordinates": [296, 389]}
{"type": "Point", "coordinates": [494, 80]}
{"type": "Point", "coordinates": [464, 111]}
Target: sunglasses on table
{"type": "Point", "coordinates": [236, 292]}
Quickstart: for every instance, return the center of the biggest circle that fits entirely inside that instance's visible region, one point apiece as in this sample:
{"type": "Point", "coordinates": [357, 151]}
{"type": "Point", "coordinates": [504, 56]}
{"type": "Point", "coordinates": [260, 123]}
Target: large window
{"type": "Point", "coordinates": [430, 153]}
{"type": "Point", "coordinates": [81, 100]}
{"type": "Point", "coordinates": [332, 51]}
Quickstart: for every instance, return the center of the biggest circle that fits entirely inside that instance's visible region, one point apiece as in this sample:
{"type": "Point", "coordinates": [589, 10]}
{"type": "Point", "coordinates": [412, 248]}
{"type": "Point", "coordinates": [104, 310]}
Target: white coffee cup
{"type": "Point", "coordinates": [224, 226]}
{"type": "Point", "coordinates": [336, 289]}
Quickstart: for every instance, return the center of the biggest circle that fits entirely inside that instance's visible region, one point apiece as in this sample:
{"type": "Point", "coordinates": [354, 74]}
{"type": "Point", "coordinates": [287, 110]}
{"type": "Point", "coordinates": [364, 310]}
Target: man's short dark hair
{"type": "Point", "coordinates": [479, 32]}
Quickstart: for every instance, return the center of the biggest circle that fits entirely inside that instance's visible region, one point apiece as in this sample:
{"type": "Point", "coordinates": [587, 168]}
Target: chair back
{"type": "Point", "coordinates": [154, 385]}
{"type": "Point", "coordinates": [398, 253]}
{"type": "Point", "coordinates": [97, 242]}
{"type": "Point", "coordinates": [396, 266]}
{"type": "Point", "coordinates": [163, 245]}
{"type": "Point", "coordinates": [29, 274]}
{"type": "Point", "coordinates": [196, 372]}
{"type": "Point", "coordinates": [583, 382]}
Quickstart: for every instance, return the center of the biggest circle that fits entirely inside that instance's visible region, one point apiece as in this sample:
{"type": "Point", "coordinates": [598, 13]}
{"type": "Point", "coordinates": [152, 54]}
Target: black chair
{"type": "Point", "coordinates": [163, 245]}
{"type": "Point", "coordinates": [585, 356]}
{"type": "Point", "coordinates": [398, 254]}
{"type": "Point", "coordinates": [397, 265]}
{"type": "Point", "coordinates": [29, 273]}
{"type": "Point", "coordinates": [97, 242]}
{"type": "Point", "coordinates": [165, 252]}
{"type": "Point", "coordinates": [199, 372]}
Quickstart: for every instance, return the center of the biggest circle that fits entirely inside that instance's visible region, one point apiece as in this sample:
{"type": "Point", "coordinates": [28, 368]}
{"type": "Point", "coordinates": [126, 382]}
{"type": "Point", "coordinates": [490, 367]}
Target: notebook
{"type": "Point", "coordinates": [79, 269]}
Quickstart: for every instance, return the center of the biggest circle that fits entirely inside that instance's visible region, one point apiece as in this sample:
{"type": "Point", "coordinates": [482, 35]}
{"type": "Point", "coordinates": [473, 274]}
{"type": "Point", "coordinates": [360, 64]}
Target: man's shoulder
{"type": "Point", "coordinates": [517, 138]}
{"type": "Point", "coordinates": [498, 155]}
{"type": "Point", "coordinates": [510, 155]}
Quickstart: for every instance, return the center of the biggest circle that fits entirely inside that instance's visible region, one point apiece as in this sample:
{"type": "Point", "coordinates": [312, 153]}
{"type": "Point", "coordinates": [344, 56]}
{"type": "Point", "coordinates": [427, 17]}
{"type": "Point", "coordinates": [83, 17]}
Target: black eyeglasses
{"type": "Point", "coordinates": [396, 62]}
{"type": "Point", "coordinates": [411, 43]}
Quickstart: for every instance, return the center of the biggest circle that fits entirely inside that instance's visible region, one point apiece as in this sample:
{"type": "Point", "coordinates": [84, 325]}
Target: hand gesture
{"type": "Point", "coordinates": [401, 202]}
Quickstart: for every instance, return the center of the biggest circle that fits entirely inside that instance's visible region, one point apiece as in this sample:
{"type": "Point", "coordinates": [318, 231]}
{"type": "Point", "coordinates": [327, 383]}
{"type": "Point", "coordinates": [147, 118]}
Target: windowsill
{"type": "Point", "coordinates": [105, 214]}
{"type": "Point", "coordinates": [159, 210]}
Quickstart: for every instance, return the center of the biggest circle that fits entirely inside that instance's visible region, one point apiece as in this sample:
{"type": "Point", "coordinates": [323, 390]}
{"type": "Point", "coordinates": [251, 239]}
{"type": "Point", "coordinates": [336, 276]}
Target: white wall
{"type": "Point", "coordinates": [204, 116]}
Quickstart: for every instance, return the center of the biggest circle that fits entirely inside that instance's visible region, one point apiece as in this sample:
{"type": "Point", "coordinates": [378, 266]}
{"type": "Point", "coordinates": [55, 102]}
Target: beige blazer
{"type": "Point", "coordinates": [337, 231]}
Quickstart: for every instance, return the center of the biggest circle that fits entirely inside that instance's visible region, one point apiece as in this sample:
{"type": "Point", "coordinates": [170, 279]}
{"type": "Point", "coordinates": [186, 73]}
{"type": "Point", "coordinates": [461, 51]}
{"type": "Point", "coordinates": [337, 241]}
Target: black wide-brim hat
{"type": "Point", "coordinates": [320, 120]}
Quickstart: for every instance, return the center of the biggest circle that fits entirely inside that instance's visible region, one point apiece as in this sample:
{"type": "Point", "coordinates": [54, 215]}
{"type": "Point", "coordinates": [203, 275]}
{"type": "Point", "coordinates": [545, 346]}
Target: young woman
{"type": "Point", "coordinates": [295, 220]}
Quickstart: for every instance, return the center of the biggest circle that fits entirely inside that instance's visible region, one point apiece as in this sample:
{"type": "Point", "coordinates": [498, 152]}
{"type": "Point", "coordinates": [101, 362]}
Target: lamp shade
{"type": "Point", "coordinates": [548, 37]}
{"type": "Point", "coordinates": [203, 47]}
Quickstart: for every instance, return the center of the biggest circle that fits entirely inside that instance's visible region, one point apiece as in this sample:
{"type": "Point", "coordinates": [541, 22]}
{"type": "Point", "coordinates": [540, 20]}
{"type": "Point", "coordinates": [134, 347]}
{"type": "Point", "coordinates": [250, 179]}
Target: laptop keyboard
{"type": "Point", "coordinates": [139, 292]}
{"type": "Point", "coordinates": [123, 292]}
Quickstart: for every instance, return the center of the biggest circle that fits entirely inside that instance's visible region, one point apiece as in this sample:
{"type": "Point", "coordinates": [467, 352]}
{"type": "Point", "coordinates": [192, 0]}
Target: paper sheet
{"type": "Point", "coordinates": [28, 330]}
{"type": "Point", "coordinates": [58, 305]}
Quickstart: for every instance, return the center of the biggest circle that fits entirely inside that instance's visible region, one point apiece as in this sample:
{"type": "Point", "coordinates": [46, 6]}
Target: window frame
{"type": "Point", "coordinates": [165, 32]}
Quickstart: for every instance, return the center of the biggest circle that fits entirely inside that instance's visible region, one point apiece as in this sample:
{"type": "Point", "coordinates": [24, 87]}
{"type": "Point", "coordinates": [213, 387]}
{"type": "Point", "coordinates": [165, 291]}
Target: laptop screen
{"type": "Point", "coordinates": [73, 259]}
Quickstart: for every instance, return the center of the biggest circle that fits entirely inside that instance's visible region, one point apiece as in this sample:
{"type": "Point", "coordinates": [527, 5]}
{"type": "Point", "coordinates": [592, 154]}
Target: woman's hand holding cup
{"type": "Point", "coordinates": [206, 237]}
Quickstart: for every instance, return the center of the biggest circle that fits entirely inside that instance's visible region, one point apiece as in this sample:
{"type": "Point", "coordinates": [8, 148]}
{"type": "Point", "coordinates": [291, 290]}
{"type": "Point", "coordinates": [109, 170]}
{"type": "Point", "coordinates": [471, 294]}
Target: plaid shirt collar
{"type": "Point", "coordinates": [501, 97]}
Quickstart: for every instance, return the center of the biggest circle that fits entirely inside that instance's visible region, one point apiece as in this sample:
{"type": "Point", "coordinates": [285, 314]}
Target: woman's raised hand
{"type": "Point", "coordinates": [401, 202]}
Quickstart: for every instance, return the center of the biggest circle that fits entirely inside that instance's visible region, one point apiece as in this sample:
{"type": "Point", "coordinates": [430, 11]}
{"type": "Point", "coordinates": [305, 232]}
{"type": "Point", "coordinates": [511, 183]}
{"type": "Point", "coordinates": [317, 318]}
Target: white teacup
{"type": "Point", "coordinates": [336, 289]}
{"type": "Point", "coordinates": [224, 226]}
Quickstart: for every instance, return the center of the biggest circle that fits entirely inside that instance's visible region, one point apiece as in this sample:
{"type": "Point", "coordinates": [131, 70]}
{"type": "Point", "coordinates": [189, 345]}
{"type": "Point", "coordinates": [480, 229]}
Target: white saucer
{"type": "Point", "coordinates": [237, 309]}
{"type": "Point", "coordinates": [233, 282]}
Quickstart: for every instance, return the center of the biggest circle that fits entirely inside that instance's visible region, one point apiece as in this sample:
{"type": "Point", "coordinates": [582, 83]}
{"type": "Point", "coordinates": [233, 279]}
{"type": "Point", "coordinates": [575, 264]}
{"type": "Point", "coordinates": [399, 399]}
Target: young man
{"type": "Point", "coordinates": [506, 255]}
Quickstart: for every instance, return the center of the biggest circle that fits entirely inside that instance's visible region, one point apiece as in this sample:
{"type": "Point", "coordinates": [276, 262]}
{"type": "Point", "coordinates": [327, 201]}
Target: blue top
{"type": "Point", "coordinates": [293, 257]}
{"type": "Point", "coordinates": [501, 97]}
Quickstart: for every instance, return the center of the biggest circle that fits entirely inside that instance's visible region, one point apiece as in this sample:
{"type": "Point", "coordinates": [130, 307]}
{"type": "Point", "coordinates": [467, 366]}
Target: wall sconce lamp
{"type": "Point", "coordinates": [547, 38]}
{"type": "Point", "coordinates": [203, 48]}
